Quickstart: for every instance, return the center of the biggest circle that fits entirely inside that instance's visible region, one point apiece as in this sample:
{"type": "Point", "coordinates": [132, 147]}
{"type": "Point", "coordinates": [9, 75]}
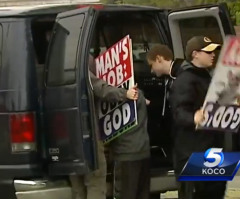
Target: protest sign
{"type": "Point", "coordinates": [221, 106]}
{"type": "Point", "coordinates": [115, 66]}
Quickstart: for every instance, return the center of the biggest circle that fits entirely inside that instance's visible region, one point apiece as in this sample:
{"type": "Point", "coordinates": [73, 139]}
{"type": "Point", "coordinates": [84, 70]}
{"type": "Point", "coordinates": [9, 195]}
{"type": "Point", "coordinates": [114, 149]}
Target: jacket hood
{"type": "Point", "coordinates": [186, 65]}
{"type": "Point", "coordinates": [176, 68]}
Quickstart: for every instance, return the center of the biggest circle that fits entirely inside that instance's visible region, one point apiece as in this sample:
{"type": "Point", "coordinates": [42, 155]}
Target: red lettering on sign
{"type": "Point", "coordinates": [232, 54]}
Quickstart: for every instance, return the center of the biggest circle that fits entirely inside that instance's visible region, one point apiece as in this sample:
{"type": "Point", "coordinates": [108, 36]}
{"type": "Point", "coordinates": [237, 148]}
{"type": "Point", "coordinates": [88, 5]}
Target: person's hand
{"type": "Point", "coordinates": [132, 93]}
{"type": "Point", "coordinates": [238, 100]}
{"type": "Point", "coordinates": [199, 116]}
{"type": "Point", "coordinates": [147, 102]}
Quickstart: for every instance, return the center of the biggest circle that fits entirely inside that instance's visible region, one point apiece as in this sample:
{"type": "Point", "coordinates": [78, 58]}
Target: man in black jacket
{"type": "Point", "coordinates": [161, 61]}
{"type": "Point", "coordinates": [187, 97]}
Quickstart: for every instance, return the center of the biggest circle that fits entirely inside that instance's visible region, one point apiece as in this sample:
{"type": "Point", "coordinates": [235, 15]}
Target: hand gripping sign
{"type": "Point", "coordinates": [221, 106]}
{"type": "Point", "coordinates": [116, 68]}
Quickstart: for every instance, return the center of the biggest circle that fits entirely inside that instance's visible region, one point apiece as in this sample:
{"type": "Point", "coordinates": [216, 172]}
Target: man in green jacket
{"type": "Point", "coordinates": [93, 185]}
{"type": "Point", "coordinates": [131, 151]}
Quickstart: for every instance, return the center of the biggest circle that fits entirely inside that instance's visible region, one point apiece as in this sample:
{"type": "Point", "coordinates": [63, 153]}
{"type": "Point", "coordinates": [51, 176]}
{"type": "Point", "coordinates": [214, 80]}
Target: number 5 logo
{"type": "Point", "coordinates": [213, 157]}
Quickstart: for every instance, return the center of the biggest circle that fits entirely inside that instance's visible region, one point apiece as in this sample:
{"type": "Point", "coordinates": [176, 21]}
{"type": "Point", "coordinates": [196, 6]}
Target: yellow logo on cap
{"type": "Point", "coordinates": [206, 39]}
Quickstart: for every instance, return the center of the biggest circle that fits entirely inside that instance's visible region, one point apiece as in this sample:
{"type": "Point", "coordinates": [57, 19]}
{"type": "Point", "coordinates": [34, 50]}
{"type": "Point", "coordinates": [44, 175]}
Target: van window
{"type": "Point", "coordinates": [205, 26]}
{"type": "Point", "coordinates": [63, 54]}
{"type": "Point", "coordinates": [41, 31]}
{"type": "Point", "coordinates": [142, 30]}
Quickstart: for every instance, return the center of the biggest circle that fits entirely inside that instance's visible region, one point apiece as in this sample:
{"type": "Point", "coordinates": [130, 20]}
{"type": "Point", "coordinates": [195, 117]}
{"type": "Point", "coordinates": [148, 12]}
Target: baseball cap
{"type": "Point", "coordinates": [199, 43]}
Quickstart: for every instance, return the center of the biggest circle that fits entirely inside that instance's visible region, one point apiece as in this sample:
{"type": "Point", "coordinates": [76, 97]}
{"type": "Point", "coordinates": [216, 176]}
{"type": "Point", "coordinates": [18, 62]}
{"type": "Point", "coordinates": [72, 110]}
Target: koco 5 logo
{"type": "Point", "coordinates": [211, 165]}
{"type": "Point", "coordinates": [213, 157]}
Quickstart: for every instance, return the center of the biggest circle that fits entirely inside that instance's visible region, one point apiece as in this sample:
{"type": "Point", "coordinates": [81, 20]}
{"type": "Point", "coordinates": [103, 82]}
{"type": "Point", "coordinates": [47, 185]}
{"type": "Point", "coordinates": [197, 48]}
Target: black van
{"type": "Point", "coordinates": [44, 141]}
{"type": "Point", "coordinates": [24, 38]}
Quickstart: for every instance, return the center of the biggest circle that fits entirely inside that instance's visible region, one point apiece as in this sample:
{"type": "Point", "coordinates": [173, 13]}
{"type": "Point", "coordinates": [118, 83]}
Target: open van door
{"type": "Point", "coordinates": [71, 141]}
{"type": "Point", "coordinates": [212, 21]}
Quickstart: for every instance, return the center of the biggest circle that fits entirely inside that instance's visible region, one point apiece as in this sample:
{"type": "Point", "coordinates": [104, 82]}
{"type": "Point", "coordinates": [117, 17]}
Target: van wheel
{"type": "Point", "coordinates": [155, 196]}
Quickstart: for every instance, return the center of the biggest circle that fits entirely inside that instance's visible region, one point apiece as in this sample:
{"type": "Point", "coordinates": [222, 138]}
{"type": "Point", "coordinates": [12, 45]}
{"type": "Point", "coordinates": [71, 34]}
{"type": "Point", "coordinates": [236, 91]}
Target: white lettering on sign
{"type": "Point", "coordinates": [117, 119]}
{"type": "Point", "coordinates": [126, 113]}
{"type": "Point", "coordinates": [100, 66]}
{"type": "Point", "coordinates": [107, 125]}
{"type": "Point", "coordinates": [227, 117]}
{"type": "Point", "coordinates": [125, 49]}
{"type": "Point", "coordinates": [218, 116]}
{"type": "Point", "coordinates": [112, 59]}
{"type": "Point", "coordinates": [221, 117]}
{"type": "Point", "coordinates": [235, 119]}
{"type": "Point", "coordinates": [119, 74]}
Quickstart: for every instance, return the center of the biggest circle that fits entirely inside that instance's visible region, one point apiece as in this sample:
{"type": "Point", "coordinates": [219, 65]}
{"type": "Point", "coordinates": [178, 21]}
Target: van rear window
{"type": "Point", "coordinates": [63, 51]}
{"type": "Point", "coordinates": [41, 32]}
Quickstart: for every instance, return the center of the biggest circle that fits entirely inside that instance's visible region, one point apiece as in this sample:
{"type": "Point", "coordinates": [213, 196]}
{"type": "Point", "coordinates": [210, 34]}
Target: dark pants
{"type": "Point", "coordinates": [132, 179]}
{"type": "Point", "coordinates": [202, 189]}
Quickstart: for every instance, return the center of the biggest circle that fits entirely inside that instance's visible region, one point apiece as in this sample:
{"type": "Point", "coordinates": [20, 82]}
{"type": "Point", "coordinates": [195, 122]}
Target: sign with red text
{"type": "Point", "coordinates": [221, 106]}
{"type": "Point", "coordinates": [115, 66]}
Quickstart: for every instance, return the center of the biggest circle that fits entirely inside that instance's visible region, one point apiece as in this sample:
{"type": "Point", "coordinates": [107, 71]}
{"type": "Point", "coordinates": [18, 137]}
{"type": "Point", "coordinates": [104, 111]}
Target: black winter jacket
{"type": "Point", "coordinates": [186, 97]}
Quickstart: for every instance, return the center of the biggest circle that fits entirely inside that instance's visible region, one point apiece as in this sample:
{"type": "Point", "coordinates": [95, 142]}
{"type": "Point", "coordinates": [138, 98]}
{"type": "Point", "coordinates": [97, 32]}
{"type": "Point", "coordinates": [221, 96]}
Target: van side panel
{"type": "Point", "coordinates": [18, 90]}
{"type": "Point", "coordinates": [63, 130]}
{"type": "Point", "coordinates": [18, 95]}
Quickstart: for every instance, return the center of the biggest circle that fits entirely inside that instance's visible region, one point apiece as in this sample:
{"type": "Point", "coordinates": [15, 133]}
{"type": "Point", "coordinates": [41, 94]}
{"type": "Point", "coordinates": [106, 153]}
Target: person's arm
{"type": "Point", "coordinates": [106, 92]}
{"type": "Point", "coordinates": [182, 99]}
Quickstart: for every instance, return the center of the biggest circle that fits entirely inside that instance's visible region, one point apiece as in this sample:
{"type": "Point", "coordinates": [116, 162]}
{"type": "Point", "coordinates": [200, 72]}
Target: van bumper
{"type": "Point", "coordinates": [42, 189]}
{"type": "Point", "coordinates": [162, 181]}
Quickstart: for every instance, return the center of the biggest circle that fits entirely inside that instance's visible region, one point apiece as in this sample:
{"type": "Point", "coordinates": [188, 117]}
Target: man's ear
{"type": "Point", "coordinates": [159, 58]}
{"type": "Point", "coordinates": [194, 53]}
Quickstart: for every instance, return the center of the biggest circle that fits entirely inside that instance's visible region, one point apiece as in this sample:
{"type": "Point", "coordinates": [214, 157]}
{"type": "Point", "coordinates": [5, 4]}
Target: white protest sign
{"type": "Point", "coordinates": [221, 106]}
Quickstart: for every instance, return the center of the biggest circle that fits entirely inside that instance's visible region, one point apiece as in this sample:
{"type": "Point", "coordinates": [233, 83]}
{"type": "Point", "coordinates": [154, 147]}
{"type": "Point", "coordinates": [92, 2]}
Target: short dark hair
{"type": "Point", "coordinates": [162, 50]}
